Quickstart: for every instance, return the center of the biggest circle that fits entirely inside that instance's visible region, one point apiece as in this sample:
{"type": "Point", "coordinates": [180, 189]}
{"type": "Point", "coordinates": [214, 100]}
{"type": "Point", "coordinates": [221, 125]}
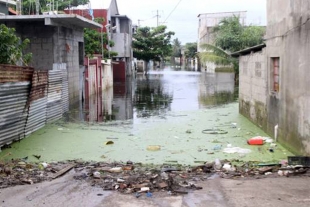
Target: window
{"type": "Point", "coordinates": [275, 61]}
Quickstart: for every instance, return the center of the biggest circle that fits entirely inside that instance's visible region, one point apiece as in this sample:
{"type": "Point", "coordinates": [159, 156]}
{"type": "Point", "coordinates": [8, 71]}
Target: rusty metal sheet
{"type": "Point", "coordinates": [13, 101]}
{"type": "Point", "coordinates": [54, 95]}
{"type": "Point", "coordinates": [12, 73]}
{"type": "Point", "coordinates": [37, 102]}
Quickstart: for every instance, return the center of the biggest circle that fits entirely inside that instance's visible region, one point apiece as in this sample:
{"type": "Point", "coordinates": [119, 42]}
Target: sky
{"type": "Point", "coordinates": [180, 16]}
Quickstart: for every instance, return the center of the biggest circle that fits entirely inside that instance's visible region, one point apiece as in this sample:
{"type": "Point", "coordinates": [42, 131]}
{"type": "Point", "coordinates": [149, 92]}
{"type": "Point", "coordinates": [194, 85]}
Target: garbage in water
{"type": "Point", "coordinates": [153, 148]}
{"type": "Point", "coordinates": [214, 131]}
{"type": "Point", "coordinates": [217, 147]}
{"type": "Point", "coordinates": [239, 150]}
{"type": "Point", "coordinates": [109, 143]}
{"type": "Point", "coordinates": [233, 125]}
{"type": "Point", "coordinates": [256, 141]}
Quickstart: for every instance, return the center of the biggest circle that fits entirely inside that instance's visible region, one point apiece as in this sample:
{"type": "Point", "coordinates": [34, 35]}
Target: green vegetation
{"type": "Point", "coordinates": [190, 50]}
{"type": "Point", "coordinates": [152, 43]}
{"type": "Point", "coordinates": [12, 47]}
{"type": "Point", "coordinates": [231, 36]}
{"type": "Point", "coordinates": [93, 40]}
{"type": "Point", "coordinates": [29, 6]}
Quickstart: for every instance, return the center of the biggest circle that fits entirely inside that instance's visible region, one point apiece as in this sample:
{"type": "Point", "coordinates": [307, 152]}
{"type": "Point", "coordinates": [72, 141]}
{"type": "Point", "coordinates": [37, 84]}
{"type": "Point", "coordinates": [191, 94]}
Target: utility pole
{"type": "Point", "coordinates": [157, 18]}
{"type": "Point", "coordinates": [139, 20]}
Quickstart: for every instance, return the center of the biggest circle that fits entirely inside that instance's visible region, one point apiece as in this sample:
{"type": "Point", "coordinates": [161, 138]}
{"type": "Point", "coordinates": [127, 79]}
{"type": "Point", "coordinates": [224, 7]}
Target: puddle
{"type": "Point", "coordinates": [170, 109]}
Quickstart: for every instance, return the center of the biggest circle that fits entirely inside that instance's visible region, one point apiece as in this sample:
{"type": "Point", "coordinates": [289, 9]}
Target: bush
{"type": "Point", "coordinates": [11, 47]}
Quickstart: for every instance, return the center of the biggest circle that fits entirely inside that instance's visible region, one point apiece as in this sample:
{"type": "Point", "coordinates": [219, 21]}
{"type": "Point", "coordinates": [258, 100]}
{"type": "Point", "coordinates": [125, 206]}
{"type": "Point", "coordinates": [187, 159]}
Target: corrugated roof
{"type": "Point", "coordinates": [248, 50]}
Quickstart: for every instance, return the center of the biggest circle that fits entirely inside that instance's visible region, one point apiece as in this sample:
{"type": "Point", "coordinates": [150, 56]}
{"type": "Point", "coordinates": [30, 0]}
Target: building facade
{"type": "Point", "coordinates": [279, 100]}
{"type": "Point", "coordinates": [55, 41]}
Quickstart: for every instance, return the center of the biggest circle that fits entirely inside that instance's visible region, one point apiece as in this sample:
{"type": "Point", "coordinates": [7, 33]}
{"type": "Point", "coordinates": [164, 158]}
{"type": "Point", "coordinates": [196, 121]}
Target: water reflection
{"type": "Point", "coordinates": [161, 91]}
{"type": "Point", "coordinates": [151, 97]}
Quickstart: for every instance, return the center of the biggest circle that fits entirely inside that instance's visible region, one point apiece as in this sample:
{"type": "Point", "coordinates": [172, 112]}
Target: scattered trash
{"type": "Point", "coordinates": [217, 147]}
{"type": "Point", "coordinates": [109, 143]}
{"type": "Point", "coordinates": [271, 150]}
{"type": "Point", "coordinates": [299, 160]}
{"type": "Point", "coordinates": [153, 148]}
{"type": "Point", "coordinates": [37, 156]}
{"type": "Point", "coordinates": [188, 131]}
{"type": "Point", "coordinates": [43, 165]}
{"type": "Point", "coordinates": [147, 178]}
{"type": "Point", "coordinates": [116, 170]}
{"type": "Point", "coordinates": [149, 194]}
{"type": "Point", "coordinates": [214, 131]}
{"type": "Point", "coordinates": [217, 164]}
{"type": "Point", "coordinates": [137, 194]}
{"type": "Point", "coordinates": [233, 125]}
{"type": "Point", "coordinates": [227, 167]}
{"type": "Point", "coordinates": [256, 141]}
{"type": "Point", "coordinates": [229, 145]}
{"type": "Point", "coordinates": [239, 150]}
{"type": "Point", "coordinates": [60, 129]}
{"type": "Point", "coordinates": [96, 174]}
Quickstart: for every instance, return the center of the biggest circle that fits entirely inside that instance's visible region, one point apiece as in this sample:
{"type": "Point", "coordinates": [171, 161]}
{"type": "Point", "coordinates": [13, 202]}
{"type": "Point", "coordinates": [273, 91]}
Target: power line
{"type": "Point", "coordinates": [173, 10]}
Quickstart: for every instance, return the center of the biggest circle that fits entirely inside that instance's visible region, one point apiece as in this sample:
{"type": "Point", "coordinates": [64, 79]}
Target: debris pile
{"type": "Point", "coordinates": [137, 178]}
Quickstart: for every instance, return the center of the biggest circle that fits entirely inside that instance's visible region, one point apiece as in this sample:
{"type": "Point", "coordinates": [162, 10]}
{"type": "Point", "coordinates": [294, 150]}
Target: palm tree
{"type": "Point", "coordinates": [215, 55]}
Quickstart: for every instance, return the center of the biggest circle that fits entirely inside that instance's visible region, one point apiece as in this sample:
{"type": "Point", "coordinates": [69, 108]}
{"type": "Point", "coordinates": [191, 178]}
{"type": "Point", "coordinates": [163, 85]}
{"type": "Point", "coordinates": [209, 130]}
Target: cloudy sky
{"type": "Point", "coordinates": [180, 16]}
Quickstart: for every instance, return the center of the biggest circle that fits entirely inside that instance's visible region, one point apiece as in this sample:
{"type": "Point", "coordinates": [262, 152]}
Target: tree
{"type": "Point", "coordinates": [190, 50]}
{"type": "Point", "coordinates": [29, 6]}
{"type": "Point", "coordinates": [176, 48]}
{"type": "Point", "coordinates": [11, 47]}
{"type": "Point", "coordinates": [151, 43]}
{"type": "Point", "coordinates": [94, 41]}
{"type": "Point", "coordinates": [231, 36]}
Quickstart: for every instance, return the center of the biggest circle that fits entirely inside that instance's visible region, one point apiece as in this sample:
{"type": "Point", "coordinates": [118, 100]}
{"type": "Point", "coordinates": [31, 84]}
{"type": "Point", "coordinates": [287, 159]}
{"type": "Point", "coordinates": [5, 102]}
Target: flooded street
{"type": "Point", "coordinates": [168, 116]}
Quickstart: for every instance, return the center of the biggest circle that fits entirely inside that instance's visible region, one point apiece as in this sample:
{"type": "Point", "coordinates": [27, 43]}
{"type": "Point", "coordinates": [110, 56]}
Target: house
{"type": "Point", "coordinates": [207, 21]}
{"type": "Point", "coordinates": [119, 30]}
{"type": "Point", "coordinates": [283, 106]}
{"type": "Point", "coordinates": [56, 41]}
{"type": "Point", "coordinates": [5, 7]}
{"type": "Point", "coordinates": [253, 84]}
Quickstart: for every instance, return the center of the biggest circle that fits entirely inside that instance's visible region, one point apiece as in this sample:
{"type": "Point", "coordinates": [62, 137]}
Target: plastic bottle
{"type": "Point", "coordinates": [256, 141]}
{"type": "Point", "coordinates": [217, 164]}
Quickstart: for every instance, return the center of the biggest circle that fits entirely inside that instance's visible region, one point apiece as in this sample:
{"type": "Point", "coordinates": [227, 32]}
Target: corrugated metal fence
{"type": "Point", "coordinates": [14, 91]}
{"type": "Point", "coordinates": [29, 99]}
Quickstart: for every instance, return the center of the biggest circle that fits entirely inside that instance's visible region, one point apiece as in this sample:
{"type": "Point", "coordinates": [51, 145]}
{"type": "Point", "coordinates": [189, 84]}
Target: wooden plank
{"type": "Point", "coordinates": [63, 171]}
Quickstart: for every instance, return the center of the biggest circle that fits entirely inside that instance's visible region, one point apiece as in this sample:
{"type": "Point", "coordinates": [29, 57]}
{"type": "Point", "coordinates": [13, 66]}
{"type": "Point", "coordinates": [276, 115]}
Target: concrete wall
{"type": "Point", "coordinates": [66, 50]}
{"type": "Point", "coordinates": [107, 75]}
{"type": "Point", "coordinates": [288, 37]}
{"type": "Point", "coordinates": [54, 45]}
{"type": "Point", "coordinates": [253, 87]}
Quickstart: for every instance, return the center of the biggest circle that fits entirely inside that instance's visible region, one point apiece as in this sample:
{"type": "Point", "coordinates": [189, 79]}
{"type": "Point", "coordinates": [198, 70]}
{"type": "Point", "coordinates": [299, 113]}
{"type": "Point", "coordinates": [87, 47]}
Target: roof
{"type": "Point", "coordinates": [121, 16]}
{"type": "Point", "coordinates": [221, 13]}
{"type": "Point", "coordinates": [53, 20]}
{"type": "Point", "coordinates": [8, 2]}
{"type": "Point", "coordinates": [248, 50]}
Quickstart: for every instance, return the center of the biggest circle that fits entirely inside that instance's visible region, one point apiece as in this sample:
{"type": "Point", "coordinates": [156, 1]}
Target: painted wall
{"type": "Point", "coordinates": [288, 37]}
{"type": "Point", "coordinates": [253, 87]}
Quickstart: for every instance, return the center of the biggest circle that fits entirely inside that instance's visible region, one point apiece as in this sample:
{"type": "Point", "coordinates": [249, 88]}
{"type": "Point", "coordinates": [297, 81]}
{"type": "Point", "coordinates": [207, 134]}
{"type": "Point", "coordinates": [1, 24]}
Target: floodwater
{"type": "Point", "coordinates": [168, 116]}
